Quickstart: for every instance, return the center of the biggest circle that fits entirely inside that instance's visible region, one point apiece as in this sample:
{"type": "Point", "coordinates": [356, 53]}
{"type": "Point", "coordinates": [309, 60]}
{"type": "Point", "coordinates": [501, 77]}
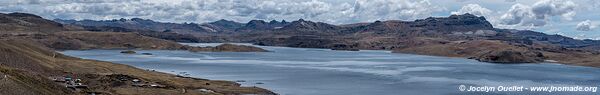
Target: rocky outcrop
{"type": "Point", "coordinates": [128, 52]}
{"type": "Point", "coordinates": [229, 48]}
{"type": "Point", "coordinates": [465, 22]}
{"type": "Point", "coordinates": [511, 56]}
{"type": "Point", "coordinates": [238, 48]}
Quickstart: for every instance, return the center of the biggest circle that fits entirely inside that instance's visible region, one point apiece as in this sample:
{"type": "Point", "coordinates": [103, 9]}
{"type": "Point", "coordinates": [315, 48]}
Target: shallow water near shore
{"type": "Point", "coordinates": [307, 71]}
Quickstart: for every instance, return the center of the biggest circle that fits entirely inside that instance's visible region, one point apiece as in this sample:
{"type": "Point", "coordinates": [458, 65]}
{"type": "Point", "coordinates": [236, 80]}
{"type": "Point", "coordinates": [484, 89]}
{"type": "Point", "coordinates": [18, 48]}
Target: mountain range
{"type": "Point", "coordinates": [454, 24]}
{"type": "Point", "coordinates": [455, 35]}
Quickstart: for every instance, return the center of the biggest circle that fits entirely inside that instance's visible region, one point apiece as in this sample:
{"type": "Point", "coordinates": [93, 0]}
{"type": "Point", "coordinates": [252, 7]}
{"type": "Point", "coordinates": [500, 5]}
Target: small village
{"type": "Point", "coordinates": [78, 83]}
{"type": "Point", "coordinates": [72, 81]}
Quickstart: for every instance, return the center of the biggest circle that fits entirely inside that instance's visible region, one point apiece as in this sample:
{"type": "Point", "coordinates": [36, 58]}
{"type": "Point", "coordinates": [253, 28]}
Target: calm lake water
{"type": "Point", "coordinates": [306, 71]}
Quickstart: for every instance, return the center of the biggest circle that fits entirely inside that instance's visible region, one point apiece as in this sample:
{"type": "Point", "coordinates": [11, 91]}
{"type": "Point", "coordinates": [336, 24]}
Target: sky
{"type": "Point", "coordinates": [579, 19]}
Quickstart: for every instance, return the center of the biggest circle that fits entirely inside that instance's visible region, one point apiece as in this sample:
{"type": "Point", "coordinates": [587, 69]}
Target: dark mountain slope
{"type": "Point", "coordinates": [260, 25]}
{"type": "Point", "coordinates": [23, 22]}
{"type": "Point", "coordinates": [224, 25]}
{"type": "Point", "coordinates": [139, 24]}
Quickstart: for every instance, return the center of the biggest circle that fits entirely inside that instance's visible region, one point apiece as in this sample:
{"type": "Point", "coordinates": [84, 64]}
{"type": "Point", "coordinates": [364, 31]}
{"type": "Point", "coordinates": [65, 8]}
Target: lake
{"type": "Point", "coordinates": [309, 71]}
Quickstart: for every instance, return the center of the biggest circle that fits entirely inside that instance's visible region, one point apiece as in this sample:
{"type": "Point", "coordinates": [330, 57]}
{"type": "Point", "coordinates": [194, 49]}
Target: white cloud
{"type": "Point", "coordinates": [520, 14]}
{"type": "Point", "coordinates": [478, 10]}
{"type": "Point", "coordinates": [474, 9]}
{"type": "Point", "coordinates": [371, 10]}
{"type": "Point", "coordinates": [539, 14]}
{"type": "Point", "coordinates": [238, 10]}
{"type": "Point", "coordinates": [586, 25]}
{"type": "Point", "coordinates": [589, 5]}
{"type": "Point", "coordinates": [564, 8]}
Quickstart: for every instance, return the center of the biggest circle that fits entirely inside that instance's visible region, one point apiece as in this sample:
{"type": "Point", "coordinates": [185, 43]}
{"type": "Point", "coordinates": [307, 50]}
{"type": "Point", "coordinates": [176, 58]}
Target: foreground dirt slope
{"type": "Point", "coordinates": [28, 67]}
{"type": "Point", "coordinates": [19, 82]}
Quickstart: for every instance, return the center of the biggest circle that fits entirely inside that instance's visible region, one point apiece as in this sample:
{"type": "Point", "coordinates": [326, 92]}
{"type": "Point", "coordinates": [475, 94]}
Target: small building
{"type": "Point", "coordinates": [157, 86]}
{"type": "Point", "coordinates": [206, 90]}
{"type": "Point", "coordinates": [58, 79]}
{"type": "Point", "coordinates": [68, 79]}
{"type": "Point", "coordinates": [139, 85]}
{"type": "Point", "coordinates": [136, 81]}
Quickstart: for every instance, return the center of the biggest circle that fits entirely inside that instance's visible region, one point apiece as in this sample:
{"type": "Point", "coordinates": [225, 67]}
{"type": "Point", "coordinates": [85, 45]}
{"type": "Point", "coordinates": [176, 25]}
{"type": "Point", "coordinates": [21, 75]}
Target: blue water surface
{"type": "Point", "coordinates": [307, 71]}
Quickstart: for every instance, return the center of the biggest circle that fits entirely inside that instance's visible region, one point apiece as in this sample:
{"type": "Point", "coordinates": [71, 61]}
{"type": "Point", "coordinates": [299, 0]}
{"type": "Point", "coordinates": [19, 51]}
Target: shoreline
{"type": "Point", "coordinates": [141, 72]}
{"type": "Point", "coordinates": [463, 57]}
{"type": "Point", "coordinates": [248, 69]}
{"type": "Point", "coordinates": [394, 52]}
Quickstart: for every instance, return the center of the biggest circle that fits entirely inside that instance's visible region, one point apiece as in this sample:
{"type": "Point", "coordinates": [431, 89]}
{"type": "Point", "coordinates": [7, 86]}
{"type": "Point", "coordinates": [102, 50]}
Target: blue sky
{"type": "Point", "coordinates": [574, 18]}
